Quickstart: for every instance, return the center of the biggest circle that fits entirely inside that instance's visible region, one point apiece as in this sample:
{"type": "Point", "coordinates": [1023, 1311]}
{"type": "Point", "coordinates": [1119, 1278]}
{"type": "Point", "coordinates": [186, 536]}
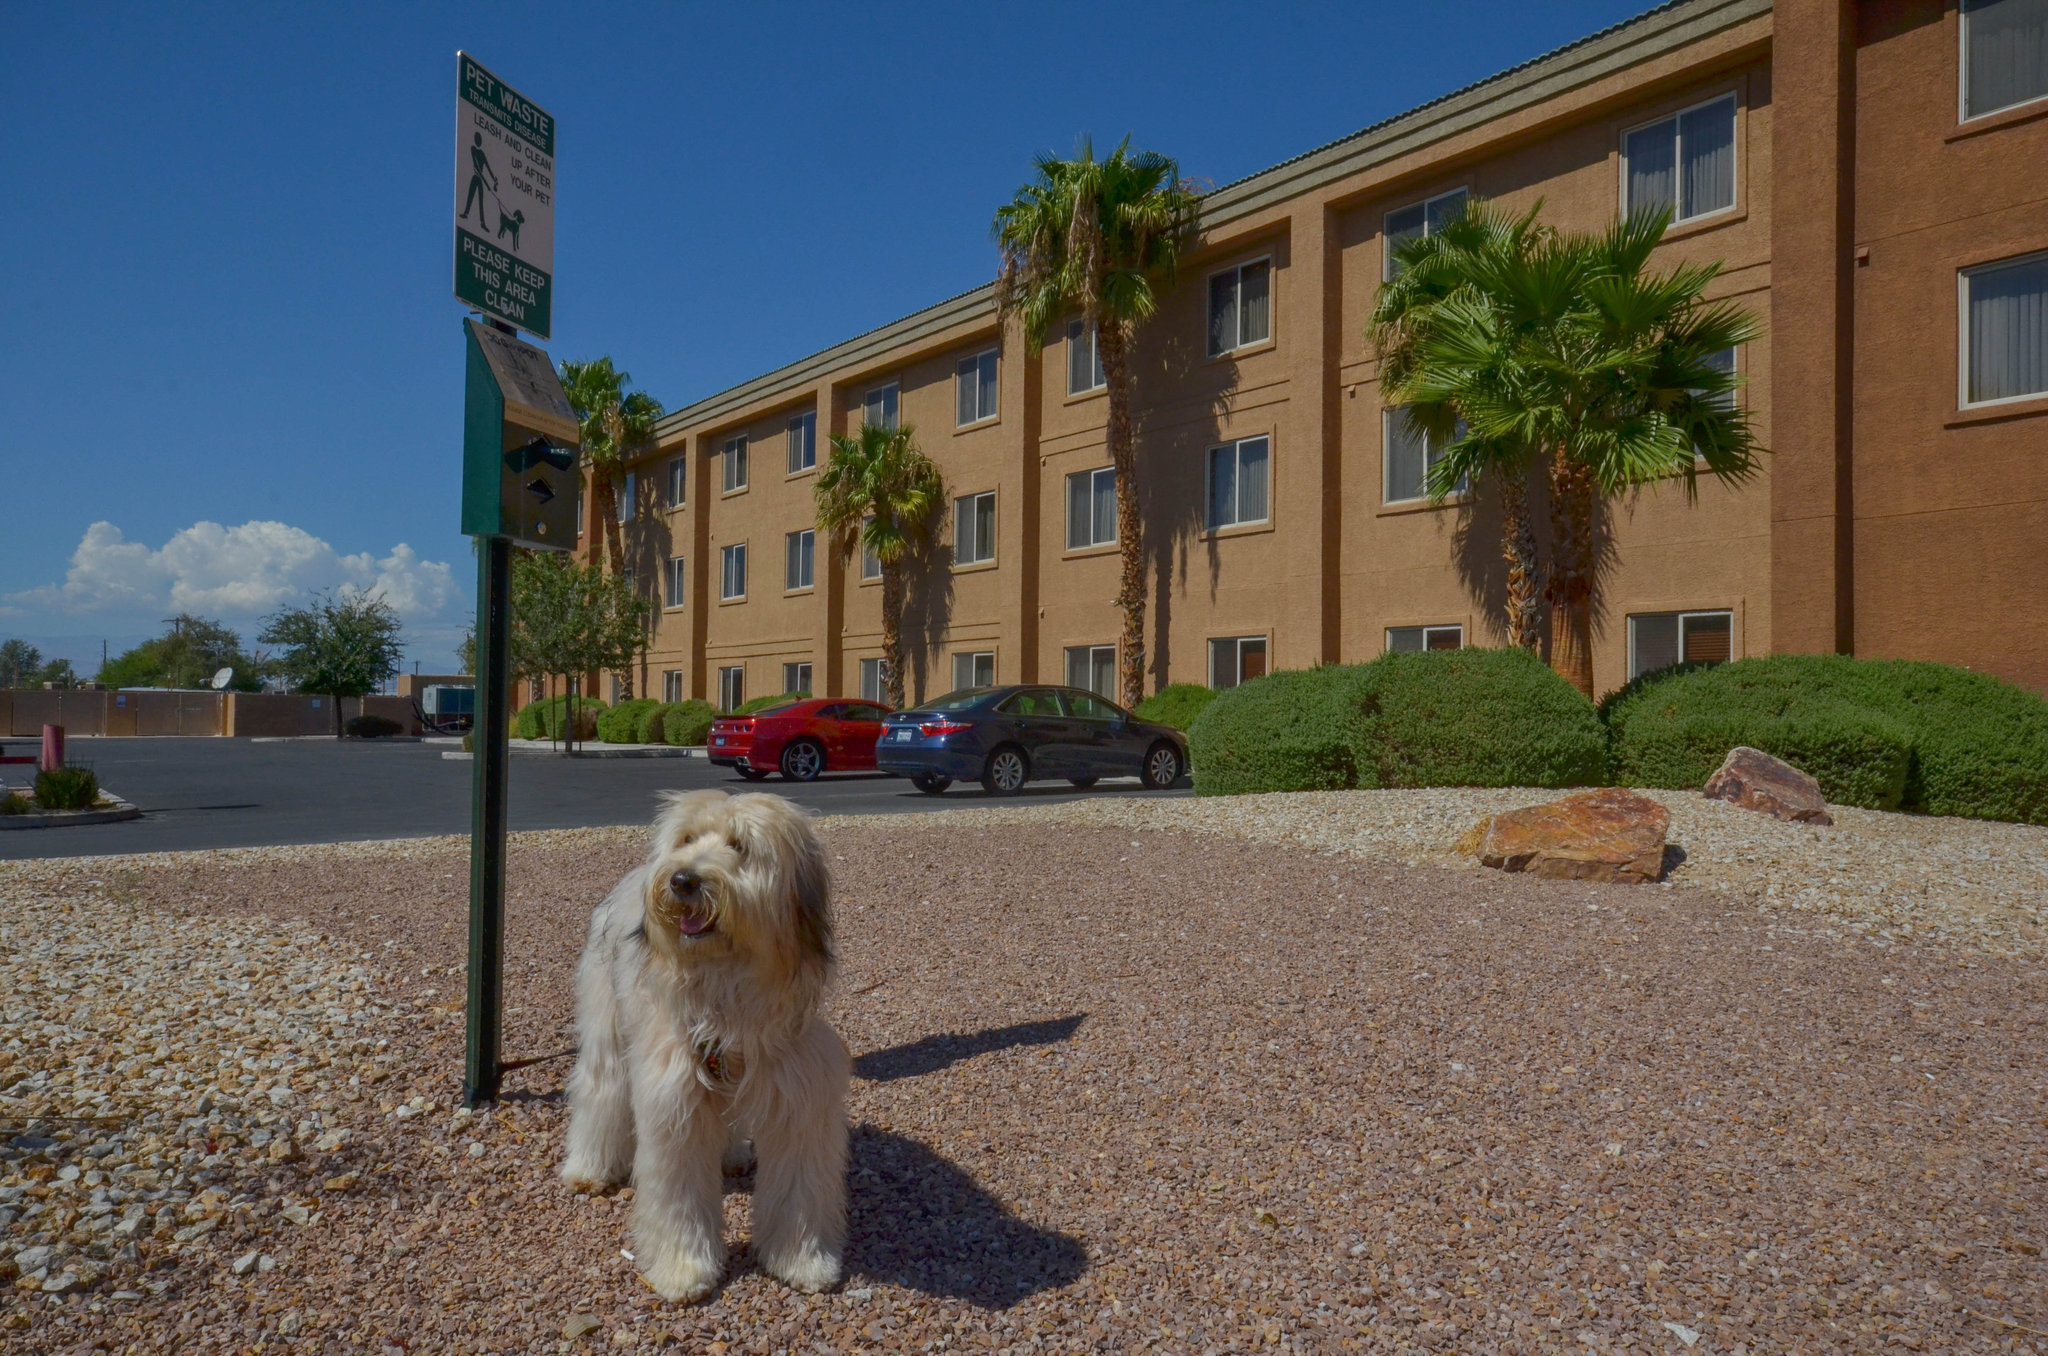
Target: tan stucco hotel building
{"type": "Point", "coordinates": [1875, 177]}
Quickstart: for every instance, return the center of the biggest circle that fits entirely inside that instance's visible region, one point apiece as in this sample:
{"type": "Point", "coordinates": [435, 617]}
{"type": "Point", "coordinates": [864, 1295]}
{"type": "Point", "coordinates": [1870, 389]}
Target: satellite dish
{"type": "Point", "coordinates": [222, 679]}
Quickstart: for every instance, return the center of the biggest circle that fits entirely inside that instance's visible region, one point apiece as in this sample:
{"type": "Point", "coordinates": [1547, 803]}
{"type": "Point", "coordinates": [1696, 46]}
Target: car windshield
{"type": "Point", "coordinates": [958, 701]}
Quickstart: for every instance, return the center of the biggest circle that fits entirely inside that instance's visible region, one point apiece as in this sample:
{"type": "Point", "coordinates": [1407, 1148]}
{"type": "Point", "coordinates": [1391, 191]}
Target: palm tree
{"type": "Point", "coordinates": [1567, 352]}
{"type": "Point", "coordinates": [1102, 237]}
{"type": "Point", "coordinates": [616, 423]}
{"type": "Point", "coordinates": [881, 492]}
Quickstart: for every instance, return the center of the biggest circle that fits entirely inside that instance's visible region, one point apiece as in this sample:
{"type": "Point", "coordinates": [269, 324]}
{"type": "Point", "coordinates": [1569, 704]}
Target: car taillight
{"type": "Point", "coordinates": [743, 727]}
{"type": "Point", "coordinates": [944, 727]}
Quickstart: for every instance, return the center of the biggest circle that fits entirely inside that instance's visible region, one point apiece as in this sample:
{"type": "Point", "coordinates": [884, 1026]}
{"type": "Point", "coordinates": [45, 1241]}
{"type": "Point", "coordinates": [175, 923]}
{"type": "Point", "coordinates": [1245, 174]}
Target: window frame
{"type": "Point", "coordinates": [993, 388]}
{"type": "Point", "coordinates": [1211, 526]}
{"type": "Point", "coordinates": [896, 422]}
{"type": "Point", "coordinates": [674, 579]}
{"type": "Point", "coordinates": [1425, 628]}
{"type": "Point", "coordinates": [1095, 544]}
{"type": "Point", "coordinates": [881, 672]}
{"type": "Point", "coordinates": [1963, 277]}
{"type": "Point", "coordinates": [672, 685]}
{"type": "Point", "coordinates": [800, 669]}
{"type": "Point", "coordinates": [973, 660]}
{"type": "Point", "coordinates": [1077, 330]}
{"type": "Point", "coordinates": [737, 673]}
{"type": "Point", "coordinates": [808, 423]}
{"type": "Point", "coordinates": [1272, 307]}
{"type": "Point", "coordinates": [1265, 643]}
{"type": "Point", "coordinates": [1730, 97]}
{"type": "Point", "coordinates": [1387, 231]}
{"type": "Point", "coordinates": [796, 551]}
{"type": "Point", "coordinates": [975, 497]}
{"type": "Point", "coordinates": [1421, 498]}
{"type": "Point", "coordinates": [678, 487]}
{"type": "Point", "coordinates": [725, 558]}
{"type": "Point", "coordinates": [629, 493]}
{"type": "Point", "coordinates": [1963, 114]}
{"type": "Point", "coordinates": [1682, 615]}
{"type": "Point", "coordinates": [860, 543]}
{"type": "Point", "coordinates": [733, 452]}
{"type": "Point", "coordinates": [1092, 652]}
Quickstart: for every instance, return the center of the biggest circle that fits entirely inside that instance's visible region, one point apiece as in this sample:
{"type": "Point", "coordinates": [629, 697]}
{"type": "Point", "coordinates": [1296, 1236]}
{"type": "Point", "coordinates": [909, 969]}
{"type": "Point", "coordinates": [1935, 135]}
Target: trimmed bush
{"type": "Point", "coordinates": [1881, 734]}
{"type": "Point", "coordinates": [67, 788]}
{"type": "Point", "coordinates": [647, 728]}
{"type": "Point", "coordinates": [687, 723]}
{"type": "Point", "coordinates": [763, 703]}
{"type": "Point", "coordinates": [1176, 704]}
{"type": "Point", "coordinates": [371, 727]}
{"type": "Point", "coordinates": [544, 719]}
{"type": "Point", "coordinates": [1434, 718]}
{"type": "Point", "coordinates": [621, 724]}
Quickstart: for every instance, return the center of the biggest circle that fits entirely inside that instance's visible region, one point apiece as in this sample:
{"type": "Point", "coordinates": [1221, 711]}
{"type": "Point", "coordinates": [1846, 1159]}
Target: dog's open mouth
{"type": "Point", "coordinates": [693, 924]}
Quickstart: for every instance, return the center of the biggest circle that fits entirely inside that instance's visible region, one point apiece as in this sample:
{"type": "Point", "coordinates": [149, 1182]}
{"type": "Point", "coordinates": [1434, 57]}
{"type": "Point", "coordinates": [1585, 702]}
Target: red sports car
{"type": "Point", "coordinates": [799, 739]}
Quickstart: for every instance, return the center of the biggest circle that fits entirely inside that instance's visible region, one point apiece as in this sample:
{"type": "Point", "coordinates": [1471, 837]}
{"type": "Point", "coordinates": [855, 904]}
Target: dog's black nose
{"type": "Point", "coordinates": [684, 883]}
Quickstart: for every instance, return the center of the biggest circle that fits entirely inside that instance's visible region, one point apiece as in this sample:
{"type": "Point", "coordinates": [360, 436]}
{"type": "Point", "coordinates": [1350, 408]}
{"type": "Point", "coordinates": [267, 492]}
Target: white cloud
{"type": "Point", "coordinates": [235, 573]}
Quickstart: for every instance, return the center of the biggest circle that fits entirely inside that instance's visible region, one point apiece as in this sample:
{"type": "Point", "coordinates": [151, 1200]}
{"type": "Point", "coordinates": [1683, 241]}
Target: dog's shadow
{"type": "Point", "coordinates": [929, 1054]}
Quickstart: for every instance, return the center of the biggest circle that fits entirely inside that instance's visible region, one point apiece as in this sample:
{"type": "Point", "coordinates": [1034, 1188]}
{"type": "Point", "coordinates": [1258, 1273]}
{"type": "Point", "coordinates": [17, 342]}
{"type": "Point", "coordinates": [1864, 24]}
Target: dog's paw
{"type": "Point", "coordinates": [682, 1280]}
{"type": "Point", "coordinates": [807, 1269]}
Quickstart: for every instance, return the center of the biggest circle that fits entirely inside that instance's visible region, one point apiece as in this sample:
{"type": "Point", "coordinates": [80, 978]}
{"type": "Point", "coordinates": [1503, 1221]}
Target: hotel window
{"type": "Point", "coordinates": [629, 495]}
{"type": "Point", "coordinates": [870, 563]}
{"type": "Point", "coordinates": [579, 508]}
{"type": "Point", "coordinates": [803, 442]}
{"type": "Point", "coordinates": [974, 528]}
{"type": "Point", "coordinates": [1685, 162]}
{"type": "Point", "coordinates": [1238, 474]}
{"type": "Point", "coordinates": [2005, 330]}
{"type": "Point", "coordinates": [1408, 639]}
{"type": "Point", "coordinates": [1236, 659]}
{"type": "Point", "coordinates": [618, 688]}
{"type": "Point", "coordinates": [672, 685]}
{"type": "Point", "coordinates": [734, 455]}
{"type": "Point", "coordinates": [1417, 220]}
{"type": "Point", "coordinates": [1240, 307]}
{"type": "Point", "coordinates": [678, 481]}
{"type": "Point", "coordinates": [879, 409]}
{"type": "Point", "coordinates": [1091, 508]}
{"type": "Point", "coordinates": [672, 583]}
{"type": "Point", "coordinates": [534, 689]}
{"type": "Point", "coordinates": [2005, 54]}
{"type": "Point", "coordinates": [1411, 452]}
{"type": "Point", "coordinates": [974, 669]}
{"type": "Point", "coordinates": [975, 388]}
{"type": "Point", "coordinates": [871, 674]}
{"type": "Point", "coordinates": [732, 576]}
{"type": "Point", "coordinates": [1657, 640]}
{"type": "Point", "coordinates": [732, 687]}
{"type": "Point", "coordinates": [1084, 359]}
{"type": "Point", "coordinates": [1723, 361]}
{"type": "Point", "coordinates": [1092, 667]}
{"type": "Point", "coordinates": [796, 678]}
{"type": "Point", "coordinates": [799, 552]}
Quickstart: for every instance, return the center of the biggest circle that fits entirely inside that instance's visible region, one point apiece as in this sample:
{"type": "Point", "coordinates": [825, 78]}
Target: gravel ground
{"type": "Point", "coordinates": [1183, 1092]}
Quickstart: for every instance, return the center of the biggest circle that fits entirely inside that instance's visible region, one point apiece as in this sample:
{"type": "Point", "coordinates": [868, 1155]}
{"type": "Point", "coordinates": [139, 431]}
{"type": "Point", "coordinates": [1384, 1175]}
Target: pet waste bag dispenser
{"type": "Point", "coordinates": [519, 441]}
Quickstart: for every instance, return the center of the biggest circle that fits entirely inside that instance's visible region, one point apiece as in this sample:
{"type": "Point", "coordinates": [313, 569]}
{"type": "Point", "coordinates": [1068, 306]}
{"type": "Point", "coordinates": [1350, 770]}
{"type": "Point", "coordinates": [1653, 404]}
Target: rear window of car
{"type": "Point", "coordinates": [958, 701]}
{"type": "Point", "coordinates": [784, 709]}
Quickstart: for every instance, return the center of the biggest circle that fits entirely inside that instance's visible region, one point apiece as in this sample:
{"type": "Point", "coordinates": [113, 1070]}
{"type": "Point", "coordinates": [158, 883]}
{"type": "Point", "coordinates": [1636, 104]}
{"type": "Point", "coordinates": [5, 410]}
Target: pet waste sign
{"type": "Point", "coordinates": [504, 200]}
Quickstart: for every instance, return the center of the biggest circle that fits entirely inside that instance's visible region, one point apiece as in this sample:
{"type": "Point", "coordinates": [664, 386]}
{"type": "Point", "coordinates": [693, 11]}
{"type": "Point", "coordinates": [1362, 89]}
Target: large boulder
{"type": "Point", "coordinates": [1754, 780]}
{"type": "Point", "coordinates": [1610, 835]}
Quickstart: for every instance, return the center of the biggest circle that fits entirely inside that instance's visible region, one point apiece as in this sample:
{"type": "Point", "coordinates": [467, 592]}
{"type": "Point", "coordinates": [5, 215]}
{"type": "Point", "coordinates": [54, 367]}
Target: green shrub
{"type": "Point", "coordinates": [763, 703]}
{"type": "Point", "coordinates": [67, 788]}
{"type": "Point", "coordinates": [543, 719]}
{"type": "Point", "coordinates": [1176, 704]}
{"type": "Point", "coordinates": [621, 724]}
{"type": "Point", "coordinates": [687, 723]}
{"type": "Point", "coordinates": [647, 726]}
{"type": "Point", "coordinates": [13, 803]}
{"type": "Point", "coordinates": [371, 727]}
{"type": "Point", "coordinates": [1435, 718]}
{"type": "Point", "coordinates": [1881, 734]}
{"type": "Point", "coordinates": [469, 742]}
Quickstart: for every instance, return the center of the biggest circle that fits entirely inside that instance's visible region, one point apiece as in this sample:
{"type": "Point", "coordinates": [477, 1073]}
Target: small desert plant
{"type": "Point", "coordinates": [67, 788]}
{"type": "Point", "coordinates": [371, 727]}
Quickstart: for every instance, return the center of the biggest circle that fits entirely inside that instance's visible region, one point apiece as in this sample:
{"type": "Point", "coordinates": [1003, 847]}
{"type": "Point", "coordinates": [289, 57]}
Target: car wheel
{"type": "Point", "coordinates": [1162, 766]}
{"type": "Point", "coordinates": [1084, 782]}
{"type": "Point", "coordinates": [752, 774]}
{"type": "Point", "coordinates": [1006, 771]}
{"type": "Point", "coordinates": [803, 760]}
{"type": "Point", "coordinates": [931, 785]}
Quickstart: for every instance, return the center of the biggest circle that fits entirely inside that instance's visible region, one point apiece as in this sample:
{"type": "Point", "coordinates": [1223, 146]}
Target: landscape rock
{"type": "Point", "coordinates": [1755, 780]}
{"type": "Point", "coordinates": [1609, 835]}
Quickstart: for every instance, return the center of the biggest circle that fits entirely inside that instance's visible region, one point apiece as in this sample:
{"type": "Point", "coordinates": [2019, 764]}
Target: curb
{"type": "Point", "coordinates": [538, 749]}
{"type": "Point", "coordinates": [58, 819]}
{"type": "Point", "coordinates": [335, 739]}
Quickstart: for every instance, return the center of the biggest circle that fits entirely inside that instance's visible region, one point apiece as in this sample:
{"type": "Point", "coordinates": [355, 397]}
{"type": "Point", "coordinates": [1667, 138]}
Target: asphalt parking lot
{"type": "Point", "coordinates": [214, 793]}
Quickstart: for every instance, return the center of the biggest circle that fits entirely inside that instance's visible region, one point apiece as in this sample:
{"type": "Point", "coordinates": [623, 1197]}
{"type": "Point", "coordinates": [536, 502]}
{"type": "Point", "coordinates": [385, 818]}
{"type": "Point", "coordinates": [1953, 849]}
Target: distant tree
{"type": "Point", "coordinates": [465, 653]}
{"type": "Point", "coordinates": [341, 646]}
{"type": "Point", "coordinates": [19, 661]}
{"type": "Point", "coordinates": [570, 619]}
{"type": "Point", "coordinates": [880, 492]}
{"type": "Point", "coordinates": [615, 423]}
{"type": "Point", "coordinates": [1102, 238]}
{"type": "Point", "coordinates": [56, 673]}
{"type": "Point", "coordinates": [187, 655]}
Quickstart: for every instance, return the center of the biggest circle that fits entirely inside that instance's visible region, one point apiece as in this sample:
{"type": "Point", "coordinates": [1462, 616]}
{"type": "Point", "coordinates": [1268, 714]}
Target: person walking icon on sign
{"type": "Point", "coordinates": [480, 171]}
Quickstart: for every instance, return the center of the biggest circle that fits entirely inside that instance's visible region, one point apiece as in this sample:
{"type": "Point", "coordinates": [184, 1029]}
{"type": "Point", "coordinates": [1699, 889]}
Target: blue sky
{"type": "Point", "coordinates": [233, 366]}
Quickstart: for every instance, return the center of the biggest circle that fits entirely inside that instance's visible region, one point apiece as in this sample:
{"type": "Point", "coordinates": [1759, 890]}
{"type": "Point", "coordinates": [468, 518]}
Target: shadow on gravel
{"type": "Point", "coordinates": [918, 1221]}
{"type": "Point", "coordinates": [929, 1054]}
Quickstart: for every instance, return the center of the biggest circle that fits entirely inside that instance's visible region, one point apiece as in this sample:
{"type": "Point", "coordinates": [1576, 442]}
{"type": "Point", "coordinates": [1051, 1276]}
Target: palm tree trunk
{"type": "Point", "coordinates": [1518, 545]}
{"type": "Point", "coordinates": [892, 633]}
{"type": "Point", "coordinates": [1130, 539]}
{"type": "Point", "coordinates": [608, 504]}
{"type": "Point", "coordinates": [1572, 503]}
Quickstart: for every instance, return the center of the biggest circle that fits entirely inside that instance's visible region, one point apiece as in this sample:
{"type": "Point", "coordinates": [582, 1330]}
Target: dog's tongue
{"type": "Point", "coordinates": [692, 924]}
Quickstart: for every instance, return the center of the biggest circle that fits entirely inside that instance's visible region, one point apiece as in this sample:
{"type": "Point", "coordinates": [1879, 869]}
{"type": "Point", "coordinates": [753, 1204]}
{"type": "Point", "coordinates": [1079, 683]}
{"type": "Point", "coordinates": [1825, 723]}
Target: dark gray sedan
{"type": "Point", "coordinates": [1004, 737]}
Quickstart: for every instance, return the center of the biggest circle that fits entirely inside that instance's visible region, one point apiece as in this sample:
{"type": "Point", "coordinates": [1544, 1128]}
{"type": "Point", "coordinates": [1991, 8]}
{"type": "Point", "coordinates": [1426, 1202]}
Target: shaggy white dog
{"type": "Point", "coordinates": [697, 1012]}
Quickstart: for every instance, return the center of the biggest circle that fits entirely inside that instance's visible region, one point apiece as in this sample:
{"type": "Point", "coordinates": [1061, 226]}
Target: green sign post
{"type": "Point", "coordinates": [519, 474]}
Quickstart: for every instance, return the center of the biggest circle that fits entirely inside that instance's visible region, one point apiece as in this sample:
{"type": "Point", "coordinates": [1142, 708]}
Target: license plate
{"type": "Point", "coordinates": [719, 740]}
{"type": "Point", "coordinates": [901, 736]}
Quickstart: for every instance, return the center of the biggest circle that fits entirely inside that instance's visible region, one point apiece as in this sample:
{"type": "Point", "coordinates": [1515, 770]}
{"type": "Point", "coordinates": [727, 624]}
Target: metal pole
{"type": "Point", "coordinates": [487, 824]}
